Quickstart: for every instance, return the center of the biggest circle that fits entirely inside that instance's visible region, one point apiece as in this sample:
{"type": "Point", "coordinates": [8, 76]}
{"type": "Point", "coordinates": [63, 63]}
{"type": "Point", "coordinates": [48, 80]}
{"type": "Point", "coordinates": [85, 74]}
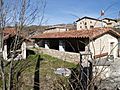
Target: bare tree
{"type": "Point", "coordinates": [19, 14]}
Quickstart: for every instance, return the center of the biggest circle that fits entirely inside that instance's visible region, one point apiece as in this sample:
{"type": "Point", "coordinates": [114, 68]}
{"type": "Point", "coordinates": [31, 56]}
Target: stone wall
{"type": "Point", "coordinates": [67, 56]}
{"type": "Point", "coordinates": [110, 80]}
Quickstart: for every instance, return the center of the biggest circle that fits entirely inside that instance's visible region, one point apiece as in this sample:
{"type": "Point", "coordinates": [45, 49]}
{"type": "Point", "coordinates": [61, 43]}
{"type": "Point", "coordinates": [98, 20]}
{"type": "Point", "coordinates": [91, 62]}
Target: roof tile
{"type": "Point", "coordinates": [92, 33]}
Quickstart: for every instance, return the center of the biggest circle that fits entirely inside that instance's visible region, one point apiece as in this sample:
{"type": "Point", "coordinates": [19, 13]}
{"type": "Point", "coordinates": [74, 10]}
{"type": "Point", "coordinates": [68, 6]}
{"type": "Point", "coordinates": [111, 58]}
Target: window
{"type": "Point", "coordinates": [91, 26]}
{"type": "Point", "coordinates": [90, 21]}
{"type": "Point", "coordinates": [85, 23]}
{"type": "Point", "coordinates": [85, 27]}
{"type": "Point", "coordinates": [80, 26]}
{"type": "Point", "coordinates": [109, 23]}
{"type": "Point", "coordinates": [111, 56]}
{"type": "Point", "coordinates": [111, 47]}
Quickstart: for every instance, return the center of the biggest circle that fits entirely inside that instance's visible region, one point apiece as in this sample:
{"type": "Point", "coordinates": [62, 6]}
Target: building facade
{"type": "Point", "coordinates": [56, 29]}
{"type": "Point", "coordinates": [88, 23]}
{"type": "Point", "coordinates": [110, 22]}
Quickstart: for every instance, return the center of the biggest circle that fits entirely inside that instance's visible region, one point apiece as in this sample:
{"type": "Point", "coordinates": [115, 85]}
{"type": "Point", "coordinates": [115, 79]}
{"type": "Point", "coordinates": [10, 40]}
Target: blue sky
{"type": "Point", "coordinates": [67, 11]}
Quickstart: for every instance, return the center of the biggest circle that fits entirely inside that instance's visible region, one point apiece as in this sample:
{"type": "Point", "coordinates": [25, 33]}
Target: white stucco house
{"type": "Point", "coordinates": [89, 22]}
{"type": "Point", "coordinates": [110, 22]}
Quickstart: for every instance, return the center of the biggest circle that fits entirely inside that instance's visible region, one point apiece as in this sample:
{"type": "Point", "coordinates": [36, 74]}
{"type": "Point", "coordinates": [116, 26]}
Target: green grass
{"type": "Point", "coordinates": [48, 78]}
{"type": "Point", "coordinates": [55, 62]}
{"type": "Point", "coordinates": [47, 67]}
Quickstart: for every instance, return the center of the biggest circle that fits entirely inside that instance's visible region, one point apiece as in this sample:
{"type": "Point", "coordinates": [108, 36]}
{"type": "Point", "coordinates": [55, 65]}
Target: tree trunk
{"type": "Point", "coordinates": [3, 75]}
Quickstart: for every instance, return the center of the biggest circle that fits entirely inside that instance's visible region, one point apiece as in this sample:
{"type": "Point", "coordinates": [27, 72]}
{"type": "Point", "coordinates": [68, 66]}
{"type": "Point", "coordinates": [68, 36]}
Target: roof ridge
{"type": "Point", "coordinates": [77, 33]}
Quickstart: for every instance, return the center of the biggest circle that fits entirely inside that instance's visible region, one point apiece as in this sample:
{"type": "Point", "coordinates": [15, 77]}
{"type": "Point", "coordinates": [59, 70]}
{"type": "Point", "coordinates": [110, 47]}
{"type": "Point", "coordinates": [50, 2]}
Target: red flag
{"type": "Point", "coordinates": [102, 12]}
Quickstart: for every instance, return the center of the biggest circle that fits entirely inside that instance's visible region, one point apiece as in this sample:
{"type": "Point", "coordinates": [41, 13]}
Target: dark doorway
{"type": "Point", "coordinates": [74, 45]}
{"type": "Point", "coordinates": [40, 43]}
{"type": "Point", "coordinates": [54, 44]}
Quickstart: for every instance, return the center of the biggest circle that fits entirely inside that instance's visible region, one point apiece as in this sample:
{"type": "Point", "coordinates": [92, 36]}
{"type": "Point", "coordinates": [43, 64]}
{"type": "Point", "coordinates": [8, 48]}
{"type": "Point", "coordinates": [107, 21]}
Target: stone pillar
{"type": "Point", "coordinates": [5, 52]}
{"type": "Point", "coordinates": [36, 46]}
{"type": "Point", "coordinates": [23, 47]}
{"type": "Point", "coordinates": [47, 44]}
{"type": "Point", "coordinates": [61, 45]}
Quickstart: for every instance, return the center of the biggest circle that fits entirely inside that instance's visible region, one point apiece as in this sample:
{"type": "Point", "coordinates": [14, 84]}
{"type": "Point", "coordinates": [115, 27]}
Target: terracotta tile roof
{"type": "Point", "coordinates": [6, 37]}
{"type": "Point", "coordinates": [9, 31]}
{"type": "Point", "coordinates": [92, 33]}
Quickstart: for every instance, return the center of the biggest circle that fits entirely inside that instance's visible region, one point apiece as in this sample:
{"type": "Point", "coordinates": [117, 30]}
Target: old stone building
{"type": "Point", "coordinates": [100, 41]}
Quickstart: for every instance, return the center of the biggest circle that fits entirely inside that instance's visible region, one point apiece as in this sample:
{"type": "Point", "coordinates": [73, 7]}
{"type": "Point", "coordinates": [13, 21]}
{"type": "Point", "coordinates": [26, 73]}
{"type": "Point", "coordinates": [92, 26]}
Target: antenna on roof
{"type": "Point", "coordinates": [102, 13]}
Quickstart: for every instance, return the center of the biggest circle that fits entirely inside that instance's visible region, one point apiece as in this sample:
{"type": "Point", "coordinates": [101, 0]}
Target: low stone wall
{"type": "Point", "coordinates": [67, 56]}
